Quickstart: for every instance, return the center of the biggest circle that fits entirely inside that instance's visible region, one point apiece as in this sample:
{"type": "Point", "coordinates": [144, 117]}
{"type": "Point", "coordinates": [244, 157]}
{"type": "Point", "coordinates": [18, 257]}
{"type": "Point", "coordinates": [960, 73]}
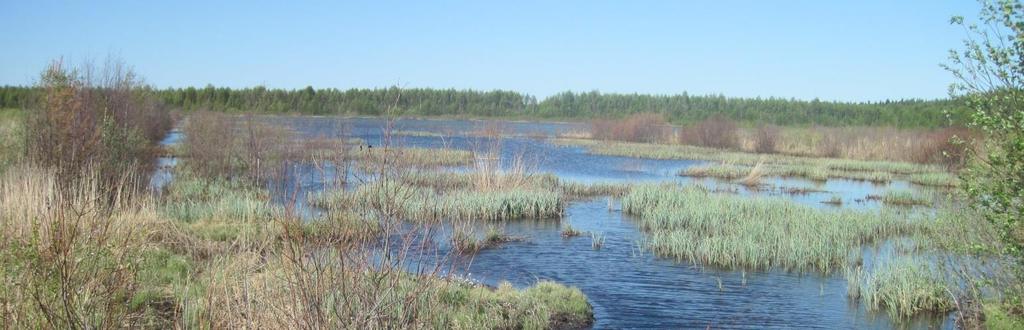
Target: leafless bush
{"type": "Point", "coordinates": [209, 144]}
{"type": "Point", "coordinates": [641, 127]}
{"type": "Point", "coordinates": [102, 119]}
{"type": "Point", "coordinates": [947, 146]}
{"type": "Point", "coordinates": [220, 145]}
{"type": "Point", "coordinates": [715, 132]}
{"type": "Point", "coordinates": [766, 138]}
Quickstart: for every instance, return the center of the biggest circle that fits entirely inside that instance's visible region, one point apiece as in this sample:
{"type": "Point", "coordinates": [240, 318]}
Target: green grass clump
{"type": "Point", "coordinates": [421, 157]}
{"type": "Point", "coordinates": [466, 241]}
{"type": "Point", "coordinates": [424, 204]}
{"type": "Point", "coordinates": [545, 305]}
{"type": "Point", "coordinates": [501, 205]}
{"type": "Point", "coordinates": [689, 223]}
{"type": "Point", "coordinates": [191, 198]}
{"type": "Point", "coordinates": [905, 287]}
{"type": "Point", "coordinates": [583, 190]}
{"type": "Point", "coordinates": [937, 179]}
{"type": "Point", "coordinates": [904, 197]}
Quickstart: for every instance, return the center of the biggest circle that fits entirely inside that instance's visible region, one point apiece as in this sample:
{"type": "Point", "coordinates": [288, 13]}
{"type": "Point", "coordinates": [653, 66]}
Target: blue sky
{"type": "Point", "coordinates": [852, 51]}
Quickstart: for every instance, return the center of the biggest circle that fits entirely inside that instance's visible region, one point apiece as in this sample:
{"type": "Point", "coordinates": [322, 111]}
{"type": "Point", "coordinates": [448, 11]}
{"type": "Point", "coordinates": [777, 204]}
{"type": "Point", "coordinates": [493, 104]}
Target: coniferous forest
{"type": "Point", "coordinates": [680, 109]}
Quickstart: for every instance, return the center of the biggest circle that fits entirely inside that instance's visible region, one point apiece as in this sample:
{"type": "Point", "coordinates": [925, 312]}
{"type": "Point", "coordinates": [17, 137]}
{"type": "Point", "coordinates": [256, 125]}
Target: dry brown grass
{"type": "Point", "coordinates": [922, 146]}
{"type": "Point", "coordinates": [69, 251]}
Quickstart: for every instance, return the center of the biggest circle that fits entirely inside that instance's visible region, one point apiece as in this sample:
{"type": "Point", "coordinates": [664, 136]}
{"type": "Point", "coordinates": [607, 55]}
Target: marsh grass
{"type": "Point", "coordinates": [466, 241]}
{"type": "Point", "coordinates": [905, 287]}
{"type": "Point", "coordinates": [904, 197]}
{"type": "Point", "coordinates": [690, 223]}
{"type": "Point", "coordinates": [734, 165]}
{"type": "Point", "coordinates": [937, 179]}
{"type": "Point", "coordinates": [596, 240]}
{"type": "Point", "coordinates": [568, 231]}
{"type": "Point", "coordinates": [413, 157]}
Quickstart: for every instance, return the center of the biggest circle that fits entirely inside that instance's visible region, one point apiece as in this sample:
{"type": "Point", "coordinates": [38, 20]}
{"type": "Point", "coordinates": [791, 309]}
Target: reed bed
{"type": "Point", "coordinates": [690, 223]}
{"type": "Point", "coordinates": [737, 164]}
{"type": "Point", "coordinates": [423, 204]}
{"type": "Point", "coordinates": [905, 287]}
{"type": "Point", "coordinates": [450, 181]}
{"type": "Point", "coordinates": [904, 197]}
{"type": "Point", "coordinates": [416, 157]}
{"type": "Point", "coordinates": [818, 173]}
{"type": "Point", "coordinates": [937, 179]}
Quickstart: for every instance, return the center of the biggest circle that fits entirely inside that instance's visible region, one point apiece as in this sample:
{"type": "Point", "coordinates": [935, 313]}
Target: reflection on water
{"type": "Point", "coordinates": [628, 287]}
{"type": "Point", "coordinates": [163, 174]}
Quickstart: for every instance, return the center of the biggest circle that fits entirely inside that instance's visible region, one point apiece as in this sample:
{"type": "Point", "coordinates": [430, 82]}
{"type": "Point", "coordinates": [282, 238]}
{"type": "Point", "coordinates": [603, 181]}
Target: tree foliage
{"type": "Point", "coordinates": [679, 109]}
{"type": "Point", "coordinates": [990, 77]}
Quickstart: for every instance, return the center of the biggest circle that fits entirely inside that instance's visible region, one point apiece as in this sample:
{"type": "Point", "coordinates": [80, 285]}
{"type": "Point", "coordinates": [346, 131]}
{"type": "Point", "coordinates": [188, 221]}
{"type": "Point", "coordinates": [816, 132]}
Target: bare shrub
{"type": "Point", "coordinates": [641, 127]}
{"type": "Point", "coordinates": [830, 144]}
{"type": "Point", "coordinates": [715, 132]}
{"type": "Point", "coordinates": [105, 120]}
{"type": "Point", "coordinates": [947, 146]}
{"type": "Point", "coordinates": [210, 143]}
{"type": "Point", "coordinates": [220, 145]}
{"type": "Point", "coordinates": [766, 138]}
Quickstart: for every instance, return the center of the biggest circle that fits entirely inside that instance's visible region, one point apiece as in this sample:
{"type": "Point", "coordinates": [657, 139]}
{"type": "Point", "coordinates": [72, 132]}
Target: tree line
{"type": "Point", "coordinates": [679, 109]}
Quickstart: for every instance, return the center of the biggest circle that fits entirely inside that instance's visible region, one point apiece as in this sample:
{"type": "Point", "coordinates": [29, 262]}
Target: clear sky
{"type": "Point", "coordinates": [833, 50]}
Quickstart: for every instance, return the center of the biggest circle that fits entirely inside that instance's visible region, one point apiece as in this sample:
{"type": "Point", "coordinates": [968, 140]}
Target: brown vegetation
{"type": "Point", "coordinates": [715, 132]}
{"type": "Point", "coordinates": [102, 120]}
{"type": "Point", "coordinates": [641, 127]}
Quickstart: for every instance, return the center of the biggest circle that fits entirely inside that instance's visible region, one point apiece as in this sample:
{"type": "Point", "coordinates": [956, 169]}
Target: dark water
{"type": "Point", "coordinates": [628, 287]}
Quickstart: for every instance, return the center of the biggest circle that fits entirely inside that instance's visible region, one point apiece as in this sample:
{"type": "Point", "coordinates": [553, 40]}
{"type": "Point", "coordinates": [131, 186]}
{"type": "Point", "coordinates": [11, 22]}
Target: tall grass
{"type": "Point", "coordinates": [12, 139]}
{"type": "Point", "coordinates": [905, 287]}
{"type": "Point", "coordinates": [904, 197]}
{"type": "Point", "coordinates": [70, 254]}
{"type": "Point", "coordinates": [420, 204]}
{"type": "Point", "coordinates": [421, 157]}
{"type": "Point", "coordinates": [689, 223]}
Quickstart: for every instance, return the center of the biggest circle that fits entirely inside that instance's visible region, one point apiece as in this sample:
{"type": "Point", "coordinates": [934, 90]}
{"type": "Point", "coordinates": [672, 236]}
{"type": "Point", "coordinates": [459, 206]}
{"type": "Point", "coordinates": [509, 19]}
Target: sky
{"type": "Point", "coordinates": [832, 50]}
